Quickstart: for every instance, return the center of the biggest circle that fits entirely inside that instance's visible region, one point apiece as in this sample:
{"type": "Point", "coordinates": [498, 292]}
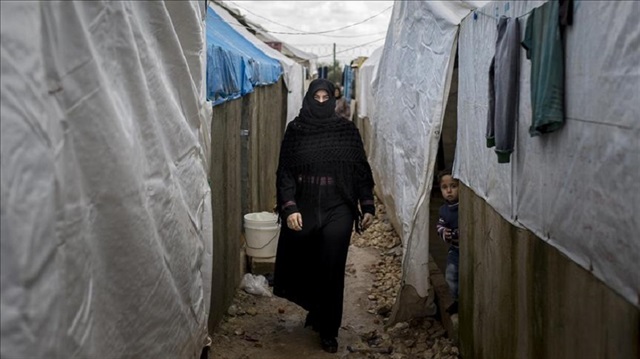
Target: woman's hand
{"type": "Point", "coordinates": [294, 221]}
{"type": "Point", "coordinates": [367, 220]}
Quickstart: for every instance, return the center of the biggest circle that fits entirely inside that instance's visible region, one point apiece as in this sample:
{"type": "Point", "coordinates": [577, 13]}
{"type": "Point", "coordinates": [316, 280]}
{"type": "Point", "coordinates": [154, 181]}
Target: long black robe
{"type": "Point", "coordinates": [323, 174]}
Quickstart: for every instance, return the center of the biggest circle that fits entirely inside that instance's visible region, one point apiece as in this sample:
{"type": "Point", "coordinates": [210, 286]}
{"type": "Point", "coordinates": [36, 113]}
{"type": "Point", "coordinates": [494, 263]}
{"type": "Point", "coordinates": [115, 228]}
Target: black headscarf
{"type": "Point", "coordinates": [339, 93]}
{"type": "Point", "coordinates": [312, 109]}
{"type": "Point", "coordinates": [318, 143]}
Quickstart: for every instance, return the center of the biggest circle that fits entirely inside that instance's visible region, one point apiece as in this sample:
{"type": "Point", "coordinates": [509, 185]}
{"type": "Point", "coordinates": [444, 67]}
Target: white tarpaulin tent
{"type": "Point", "coordinates": [412, 86]}
{"type": "Point", "coordinates": [578, 188]}
{"type": "Point", "coordinates": [366, 76]}
{"type": "Point", "coordinates": [293, 72]}
{"type": "Point", "coordinates": [304, 58]}
{"type": "Point", "coordinates": [106, 210]}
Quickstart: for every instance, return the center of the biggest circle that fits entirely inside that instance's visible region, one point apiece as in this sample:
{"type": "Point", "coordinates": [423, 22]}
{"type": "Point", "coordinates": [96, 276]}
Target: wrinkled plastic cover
{"type": "Point", "coordinates": [235, 66]}
{"type": "Point", "coordinates": [578, 188]}
{"type": "Point", "coordinates": [410, 92]}
{"type": "Point", "coordinates": [293, 72]}
{"type": "Point", "coordinates": [366, 74]}
{"type": "Point", "coordinates": [106, 213]}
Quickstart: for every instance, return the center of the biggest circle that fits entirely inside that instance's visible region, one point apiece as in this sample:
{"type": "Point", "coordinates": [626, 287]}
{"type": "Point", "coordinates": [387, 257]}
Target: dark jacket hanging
{"type": "Point", "coordinates": [504, 79]}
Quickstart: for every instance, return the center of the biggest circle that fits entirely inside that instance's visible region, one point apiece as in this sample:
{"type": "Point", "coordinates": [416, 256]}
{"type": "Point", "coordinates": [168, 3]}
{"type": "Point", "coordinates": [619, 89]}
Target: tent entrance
{"type": "Point", "coordinates": [444, 160]}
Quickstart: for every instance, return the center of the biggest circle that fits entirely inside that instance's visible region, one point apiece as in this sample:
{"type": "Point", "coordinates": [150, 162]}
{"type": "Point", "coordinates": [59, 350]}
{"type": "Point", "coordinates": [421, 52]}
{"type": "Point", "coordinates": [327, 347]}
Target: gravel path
{"type": "Point", "coordinates": [270, 327]}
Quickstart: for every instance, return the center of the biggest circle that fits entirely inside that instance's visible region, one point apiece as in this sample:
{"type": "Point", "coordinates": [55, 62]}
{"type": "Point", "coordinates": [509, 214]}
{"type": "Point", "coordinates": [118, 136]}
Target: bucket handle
{"type": "Point", "coordinates": [258, 248]}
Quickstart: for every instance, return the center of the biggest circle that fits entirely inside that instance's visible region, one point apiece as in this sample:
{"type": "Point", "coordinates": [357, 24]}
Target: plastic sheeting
{"type": "Point", "coordinates": [347, 82]}
{"type": "Point", "coordinates": [306, 59]}
{"type": "Point", "coordinates": [364, 86]}
{"type": "Point", "coordinates": [106, 230]}
{"type": "Point", "coordinates": [413, 82]}
{"type": "Point", "coordinates": [293, 72]}
{"type": "Point", "coordinates": [577, 188]}
{"type": "Point", "coordinates": [234, 64]}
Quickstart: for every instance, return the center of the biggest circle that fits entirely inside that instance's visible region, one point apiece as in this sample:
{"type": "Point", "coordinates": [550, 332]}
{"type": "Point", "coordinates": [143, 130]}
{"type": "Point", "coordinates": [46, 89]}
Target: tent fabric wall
{"type": "Point", "coordinates": [106, 209]}
{"type": "Point", "coordinates": [578, 188]}
{"type": "Point", "coordinates": [293, 72]}
{"type": "Point", "coordinates": [235, 65]}
{"type": "Point", "coordinates": [364, 86]}
{"type": "Point", "coordinates": [411, 91]}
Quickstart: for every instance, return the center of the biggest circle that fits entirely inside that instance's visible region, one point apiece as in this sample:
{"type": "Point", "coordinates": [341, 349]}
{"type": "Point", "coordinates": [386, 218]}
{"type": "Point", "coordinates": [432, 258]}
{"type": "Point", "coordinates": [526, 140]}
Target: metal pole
{"type": "Point", "coordinates": [335, 72]}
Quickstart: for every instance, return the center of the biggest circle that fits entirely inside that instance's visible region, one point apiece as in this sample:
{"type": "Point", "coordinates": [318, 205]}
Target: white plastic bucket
{"type": "Point", "coordinates": [261, 232]}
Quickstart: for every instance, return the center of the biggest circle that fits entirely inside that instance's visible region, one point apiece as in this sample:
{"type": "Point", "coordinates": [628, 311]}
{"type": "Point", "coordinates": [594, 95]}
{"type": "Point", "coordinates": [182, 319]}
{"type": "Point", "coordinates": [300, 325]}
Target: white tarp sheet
{"type": "Point", "coordinates": [106, 211]}
{"type": "Point", "coordinates": [577, 188]}
{"type": "Point", "coordinates": [410, 92]}
{"type": "Point", "coordinates": [293, 72]}
{"type": "Point", "coordinates": [366, 76]}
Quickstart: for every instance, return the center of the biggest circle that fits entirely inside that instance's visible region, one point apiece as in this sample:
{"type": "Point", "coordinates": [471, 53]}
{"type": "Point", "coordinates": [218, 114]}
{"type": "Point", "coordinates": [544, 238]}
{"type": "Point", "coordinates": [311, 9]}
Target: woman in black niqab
{"type": "Point", "coordinates": [325, 190]}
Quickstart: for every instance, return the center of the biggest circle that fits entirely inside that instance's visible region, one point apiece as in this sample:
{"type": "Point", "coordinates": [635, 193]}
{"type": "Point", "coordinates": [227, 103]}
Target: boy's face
{"type": "Point", "coordinates": [449, 188]}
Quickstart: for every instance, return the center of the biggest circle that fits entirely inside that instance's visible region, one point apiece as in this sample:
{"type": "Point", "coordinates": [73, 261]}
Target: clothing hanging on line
{"type": "Point", "coordinates": [504, 82]}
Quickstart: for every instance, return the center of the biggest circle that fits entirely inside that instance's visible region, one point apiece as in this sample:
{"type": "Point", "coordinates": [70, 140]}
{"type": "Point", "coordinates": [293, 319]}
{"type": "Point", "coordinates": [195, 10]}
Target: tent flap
{"type": "Point", "coordinates": [411, 89]}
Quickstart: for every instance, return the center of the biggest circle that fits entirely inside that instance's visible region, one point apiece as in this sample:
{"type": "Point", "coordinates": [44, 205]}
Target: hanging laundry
{"type": "Point", "coordinates": [543, 42]}
{"type": "Point", "coordinates": [503, 89]}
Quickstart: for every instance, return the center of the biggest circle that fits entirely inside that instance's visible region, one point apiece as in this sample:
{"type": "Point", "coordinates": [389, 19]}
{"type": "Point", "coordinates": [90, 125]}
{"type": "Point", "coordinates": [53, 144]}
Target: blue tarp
{"type": "Point", "coordinates": [234, 65]}
{"type": "Point", "coordinates": [347, 82]}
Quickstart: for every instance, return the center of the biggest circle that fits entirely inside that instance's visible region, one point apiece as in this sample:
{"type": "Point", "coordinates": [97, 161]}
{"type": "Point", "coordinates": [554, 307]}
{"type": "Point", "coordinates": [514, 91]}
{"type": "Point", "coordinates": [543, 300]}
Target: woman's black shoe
{"type": "Point", "coordinates": [329, 345]}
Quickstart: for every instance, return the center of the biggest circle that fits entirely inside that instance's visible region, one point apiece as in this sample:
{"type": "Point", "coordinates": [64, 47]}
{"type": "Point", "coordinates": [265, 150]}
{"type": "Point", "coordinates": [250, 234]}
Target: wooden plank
{"type": "Point", "coordinates": [522, 298]}
{"type": "Point", "coordinates": [250, 113]}
{"type": "Point", "coordinates": [266, 136]}
{"type": "Point", "coordinates": [225, 192]}
{"type": "Point", "coordinates": [242, 180]}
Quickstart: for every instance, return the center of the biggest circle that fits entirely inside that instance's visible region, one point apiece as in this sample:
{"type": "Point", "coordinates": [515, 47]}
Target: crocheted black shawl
{"type": "Point", "coordinates": [318, 144]}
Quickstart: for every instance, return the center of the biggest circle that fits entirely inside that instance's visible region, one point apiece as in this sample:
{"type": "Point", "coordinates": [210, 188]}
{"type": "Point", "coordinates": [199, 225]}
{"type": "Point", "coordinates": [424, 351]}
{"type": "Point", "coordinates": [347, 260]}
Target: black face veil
{"type": "Point", "coordinates": [312, 109]}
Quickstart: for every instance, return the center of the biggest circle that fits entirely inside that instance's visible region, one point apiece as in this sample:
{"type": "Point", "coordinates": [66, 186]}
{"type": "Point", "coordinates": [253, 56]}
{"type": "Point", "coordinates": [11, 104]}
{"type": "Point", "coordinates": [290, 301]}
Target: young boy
{"type": "Point", "coordinates": [448, 230]}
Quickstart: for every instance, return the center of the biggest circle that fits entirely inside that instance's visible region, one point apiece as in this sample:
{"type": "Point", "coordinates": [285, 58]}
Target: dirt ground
{"type": "Point", "coordinates": [270, 327]}
{"type": "Point", "coordinates": [276, 330]}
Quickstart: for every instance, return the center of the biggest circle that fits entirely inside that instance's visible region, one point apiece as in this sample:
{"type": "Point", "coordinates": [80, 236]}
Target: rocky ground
{"type": "Point", "coordinates": [270, 327]}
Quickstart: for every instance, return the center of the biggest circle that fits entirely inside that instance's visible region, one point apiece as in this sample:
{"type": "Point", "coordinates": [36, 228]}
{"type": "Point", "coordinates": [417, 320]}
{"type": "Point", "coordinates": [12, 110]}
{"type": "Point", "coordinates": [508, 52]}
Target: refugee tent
{"type": "Point", "coordinates": [235, 65]}
{"type": "Point", "coordinates": [413, 79]}
{"type": "Point", "coordinates": [306, 59]}
{"type": "Point", "coordinates": [366, 77]}
{"type": "Point", "coordinates": [578, 188]}
{"type": "Point", "coordinates": [560, 186]}
{"type": "Point", "coordinates": [292, 71]}
{"type": "Point", "coordinates": [365, 103]}
{"type": "Point", "coordinates": [106, 210]}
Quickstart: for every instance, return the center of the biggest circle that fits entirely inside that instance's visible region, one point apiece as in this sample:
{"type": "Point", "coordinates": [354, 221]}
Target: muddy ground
{"type": "Point", "coordinates": [270, 327]}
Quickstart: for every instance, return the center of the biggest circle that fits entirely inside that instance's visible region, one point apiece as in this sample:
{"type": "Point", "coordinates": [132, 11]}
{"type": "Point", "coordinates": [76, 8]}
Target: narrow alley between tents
{"type": "Point", "coordinates": [156, 155]}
